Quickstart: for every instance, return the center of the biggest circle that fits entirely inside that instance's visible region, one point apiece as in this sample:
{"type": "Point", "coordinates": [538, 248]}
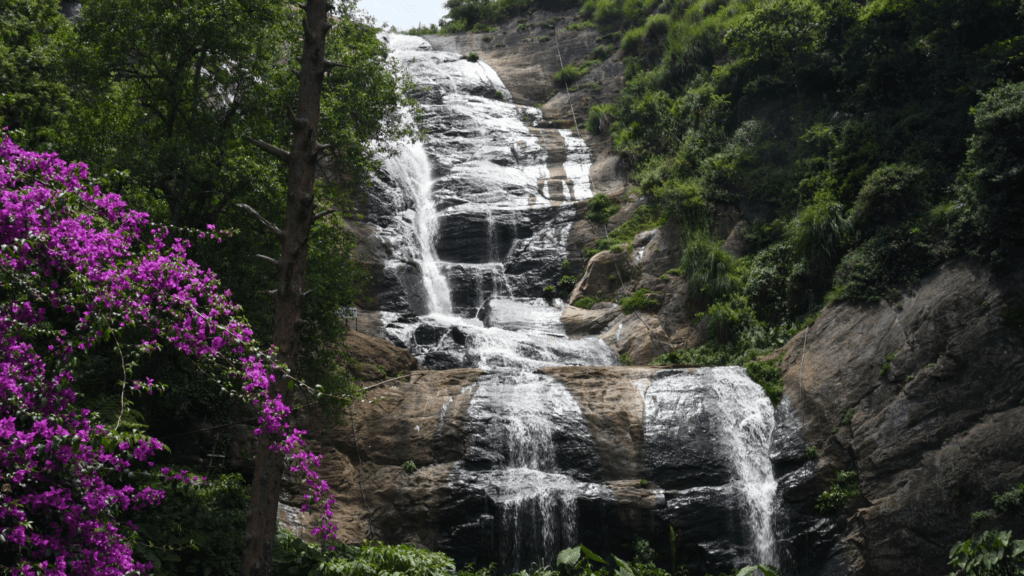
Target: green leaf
{"type": "Point", "coordinates": [591, 556]}
{"type": "Point", "coordinates": [568, 557]}
{"type": "Point", "coordinates": [624, 568]}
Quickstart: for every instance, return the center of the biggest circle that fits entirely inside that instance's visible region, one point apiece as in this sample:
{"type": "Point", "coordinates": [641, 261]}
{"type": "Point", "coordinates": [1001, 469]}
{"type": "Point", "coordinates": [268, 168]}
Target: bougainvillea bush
{"type": "Point", "coordinates": [80, 272]}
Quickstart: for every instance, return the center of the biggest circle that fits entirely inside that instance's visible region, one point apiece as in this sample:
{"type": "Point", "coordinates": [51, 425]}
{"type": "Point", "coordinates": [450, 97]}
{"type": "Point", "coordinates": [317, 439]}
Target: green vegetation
{"type": "Point", "coordinates": [409, 466]}
{"type": "Point", "coordinates": [473, 57]}
{"type": "Point", "coordinates": [848, 417]}
{"type": "Point", "coordinates": [600, 208]}
{"type": "Point", "coordinates": [581, 25]}
{"type": "Point", "coordinates": [625, 359]}
{"type": "Point", "coordinates": [843, 489]}
{"type": "Point", "coordinates": [978, 517]}
{"type": "Point", "coordinates": [871, 182]}
{"type": "Point", "coordinates": [888, 363]}
{"type": "Point", "coordinates": [643, 219]}
{"type": "Point", "coordinates": [587, 302]}
{"type": "Point", "coordinates": [573, 72]}
{"type": "Point", "coordinates": [638, 301]}
{"type": "Point", "coordinates": [482, 15]}
{"type": "Point", "coordinates": [1009, 500]}
{"type": "Point", "coordinates": [709, 270]}
{"type": "Point", "coordinates": [198, 527]}
{"type": "Point", "coordinates": [811, 452]}
{"type": "Point", "coordinates": [991, 554]}
{"type": "Point", "coordinates": [294, 557]}
{"type": "Point", "coordinates": [588, 87]}
{"type": "Point", "coordinates": [566, 284]}
{"type": "Point", "coordinates": [768, 374]}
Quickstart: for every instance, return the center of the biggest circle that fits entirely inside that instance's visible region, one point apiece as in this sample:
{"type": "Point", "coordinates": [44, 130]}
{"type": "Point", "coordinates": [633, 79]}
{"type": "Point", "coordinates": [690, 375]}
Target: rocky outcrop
{"type": "Point", "coordinates": [647, 450]}
{"type": "Point", "coordinates": [923, 399]}
{"type": "Point", "coordinates": [372, 358]}
{"type": "Point", "coordinates": [605, 273]}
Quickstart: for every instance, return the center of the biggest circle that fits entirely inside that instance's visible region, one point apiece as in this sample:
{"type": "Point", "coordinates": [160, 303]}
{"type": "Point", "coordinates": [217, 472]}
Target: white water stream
{"type": "Point", "coordinates": [411, 168]}
{"type": "Point", "coordinates": [488, 171]}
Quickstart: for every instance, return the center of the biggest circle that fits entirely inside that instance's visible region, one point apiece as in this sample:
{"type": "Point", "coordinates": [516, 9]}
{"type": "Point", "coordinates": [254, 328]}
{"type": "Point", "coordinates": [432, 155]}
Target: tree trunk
{"type": "Point", "coordinates": [261, 522]}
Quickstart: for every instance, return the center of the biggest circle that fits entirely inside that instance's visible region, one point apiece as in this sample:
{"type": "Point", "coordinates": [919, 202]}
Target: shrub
{"type": "Point", "coordinates": [978, 517]}
{"type": "Point", "coordinates": [566, 284]}
{"type": "Point", "coordinates": [811, 452]}
{"type": "Point", "coordinates": [769, 376]}
{"type": "Point", "coordinates": [632, 40]}
{"type": "Point", "coordinates": [473, 57]}
{"type": "Point", "coordinates": [566, 267]}
{"type": "Point", "coordinates": [843, 488]}
{"type": "Point", "coordinates": [891, 195]}
{"type": "Point", "coordinates": [728, 318]}
{"type": "Point", "coordinates": [409, 466]}
{"type": "Point", "coordinates": [625, 359]}
{"type": "Point", "coordinates": [709, 270]}
{"type": "Point", "coordinates": [848, 417]}
{"type": "Point", "coordinates": [600, 208]}
{"type": "Point", "coordinates": [638, 301]}
{"type": "Point", "coordinates": [572, 72]}
{"type": "Point", "coordinates": [602, 52]}
{"type": "Point", "coordinates": [293, 557]}
{"type": "Point", "coordinates": [993, 173]}
{"type": "Point", "coordinates": [549, 291]}
{"type": "Point", "coordinates": [818, 232]}
{"type": "Point", "coordinates": [586, 302]}
{"type": "Point", "coordinates": [1009, 500]}
{"type": "Point", "coordinates": [600, 118]}
{"type": "Point", "coordinates": [893, 259]}
{"type": "Point", "coordinates": [198, 525]}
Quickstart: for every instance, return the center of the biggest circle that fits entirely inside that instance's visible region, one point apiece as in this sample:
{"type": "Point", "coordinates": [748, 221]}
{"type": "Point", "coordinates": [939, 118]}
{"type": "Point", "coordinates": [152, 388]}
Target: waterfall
{"type": "Point", "coordinates": [521, 413]}
{"type": "Point", "coordinates": [411, 168]}
{"type": "Point", "coordinates": [493, 202]}
{"type": "Point", "coordinates": [679, 404]}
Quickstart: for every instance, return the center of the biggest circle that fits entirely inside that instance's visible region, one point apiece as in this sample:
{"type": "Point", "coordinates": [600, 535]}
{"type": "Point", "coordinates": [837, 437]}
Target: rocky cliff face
{"type": "Point", "coordinates": [923, 399]}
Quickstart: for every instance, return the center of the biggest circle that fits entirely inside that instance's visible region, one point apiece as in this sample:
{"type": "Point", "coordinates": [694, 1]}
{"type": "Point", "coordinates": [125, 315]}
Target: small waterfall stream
{"type": "Point", "coordinates": [492, 203]}
{"type": "Point", "coordinates": [411, 168]}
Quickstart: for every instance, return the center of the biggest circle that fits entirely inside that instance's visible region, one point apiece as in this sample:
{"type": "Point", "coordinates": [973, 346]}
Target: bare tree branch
{"type": "Point", "coordinates": [270, 149]}
{"type": "Point", "coordinates": [324, 213]}
{"type": "Point", "coordinates": [266, 223]}
{"type": "Point", "coordinates": [269, 259]}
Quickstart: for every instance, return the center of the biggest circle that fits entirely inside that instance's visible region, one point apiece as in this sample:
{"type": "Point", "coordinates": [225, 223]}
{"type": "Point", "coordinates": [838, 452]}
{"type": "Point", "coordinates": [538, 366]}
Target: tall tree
{"type": "Point", "coordinates": [303, 163]}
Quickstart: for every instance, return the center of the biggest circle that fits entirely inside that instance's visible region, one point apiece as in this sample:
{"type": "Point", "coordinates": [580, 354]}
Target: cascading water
{"type": "Point", "coordinates": [411, 168]}
{"type": "Point", "coordinates": [492, 205]}
{"type": "Point", "coordinates": [677, 403]}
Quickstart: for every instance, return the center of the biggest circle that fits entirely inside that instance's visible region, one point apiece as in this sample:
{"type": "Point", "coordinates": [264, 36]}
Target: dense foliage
{"type": "Point", "coordinates": [874, 141]}
{"type": "Point", "coordinates": [86, 280]}
{"type": "Point", "coordinates": [160, 99]}
{"type": "Point", "coordinates": [483, 15]}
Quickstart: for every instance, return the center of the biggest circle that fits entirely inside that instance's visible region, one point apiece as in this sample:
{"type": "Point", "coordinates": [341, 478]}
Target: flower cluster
{"type": "Point", "coordinates": [77, 268]}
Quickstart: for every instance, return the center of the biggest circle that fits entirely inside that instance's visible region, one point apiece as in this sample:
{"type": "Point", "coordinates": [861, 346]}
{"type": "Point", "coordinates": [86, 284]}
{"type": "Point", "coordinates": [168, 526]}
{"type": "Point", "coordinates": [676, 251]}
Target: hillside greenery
{"type": "Point", "coordinates": [868, 143]}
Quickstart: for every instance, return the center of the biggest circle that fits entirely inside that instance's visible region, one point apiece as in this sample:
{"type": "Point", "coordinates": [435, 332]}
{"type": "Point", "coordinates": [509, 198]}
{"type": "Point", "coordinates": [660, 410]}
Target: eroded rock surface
{"type": "Point", "coordinates": [931, 387]}
{"type": "Point", "coordinates": [608, 429]}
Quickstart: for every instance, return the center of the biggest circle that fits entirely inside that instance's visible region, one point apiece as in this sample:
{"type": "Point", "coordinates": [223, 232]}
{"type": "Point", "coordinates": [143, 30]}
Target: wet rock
{"type": "Point", "coordinates": [429, 335]}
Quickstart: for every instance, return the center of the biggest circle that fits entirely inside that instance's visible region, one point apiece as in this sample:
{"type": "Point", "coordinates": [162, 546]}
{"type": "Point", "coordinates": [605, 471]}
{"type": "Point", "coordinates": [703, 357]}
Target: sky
{"type": "Point", "coordinates": [404, 14]}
